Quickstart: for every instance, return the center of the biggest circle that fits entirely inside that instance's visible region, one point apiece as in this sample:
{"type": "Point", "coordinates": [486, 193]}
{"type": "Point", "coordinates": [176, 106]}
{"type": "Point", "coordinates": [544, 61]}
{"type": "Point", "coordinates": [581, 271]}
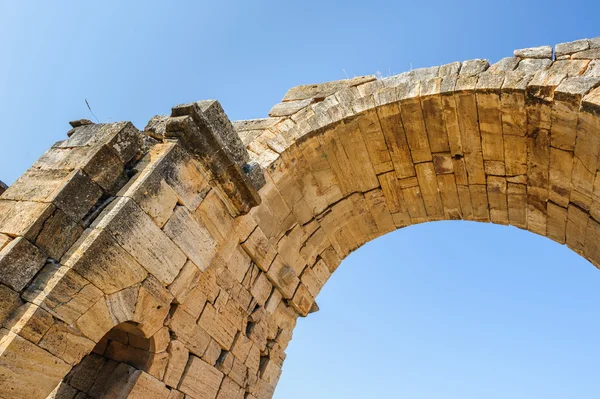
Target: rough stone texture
{"type": "Point", "coordinates": [534, 52]}
{"type": "Point", "coordinates": [176, 264]}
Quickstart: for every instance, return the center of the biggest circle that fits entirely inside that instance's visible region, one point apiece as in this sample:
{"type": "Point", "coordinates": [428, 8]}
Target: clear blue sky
{"type": "Point", "coordinates": [435, 311]}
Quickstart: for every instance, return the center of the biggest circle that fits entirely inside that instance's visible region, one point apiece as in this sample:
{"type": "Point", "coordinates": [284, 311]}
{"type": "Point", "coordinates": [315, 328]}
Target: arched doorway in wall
{"type": "Point", "coordinates": [451, 310]}
{"type": "Point", "coordinates": [112, 370]}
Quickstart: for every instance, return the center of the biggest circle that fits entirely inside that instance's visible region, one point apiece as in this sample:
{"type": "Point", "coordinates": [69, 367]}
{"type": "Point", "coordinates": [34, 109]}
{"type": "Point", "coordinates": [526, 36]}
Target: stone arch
{"type": "Point", "coordinates": [118, 362]}
{"type": "Point", "coordinates": [220, 235]}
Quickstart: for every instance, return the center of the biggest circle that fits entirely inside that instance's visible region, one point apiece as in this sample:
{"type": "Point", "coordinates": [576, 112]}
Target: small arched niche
{"type": "Point", "coordinates": [122, 358]}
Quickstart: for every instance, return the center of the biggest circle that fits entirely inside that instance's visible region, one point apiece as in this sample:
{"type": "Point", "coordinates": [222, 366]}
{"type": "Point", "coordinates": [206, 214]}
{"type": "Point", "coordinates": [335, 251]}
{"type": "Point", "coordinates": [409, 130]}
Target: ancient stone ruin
{"type": "Point", "coordinates": [174, 262]}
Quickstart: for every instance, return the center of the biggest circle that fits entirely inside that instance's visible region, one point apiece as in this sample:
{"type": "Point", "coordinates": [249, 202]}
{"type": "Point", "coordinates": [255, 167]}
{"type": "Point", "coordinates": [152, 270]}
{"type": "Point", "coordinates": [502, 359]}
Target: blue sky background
{"type": "Point", "coordinates": [442, 310]}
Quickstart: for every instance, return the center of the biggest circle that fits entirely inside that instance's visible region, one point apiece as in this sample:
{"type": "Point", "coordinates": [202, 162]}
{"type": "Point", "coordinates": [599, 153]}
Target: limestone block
{"type": "Point", "coordinates": [259, 249]}
{"type": "Point", "coordinates": [214, 214]}
{"type": "Point", "coordinates": [557, 222]}
{"type": "Point", "coordinates": [577, 222]}
{"type": "Point", "coordinates": [534, 52]}
{"type": "Point", "coordinates": [238, 372]}
{"type": "Point", "coordinates": [178, 358]}
{"type": "Point", "coordinates": [119, 384]}
{"type": "Point", "coordinates": [261, 289]}
{"type": "Point", "coordinates": [83, 376]}
{"type": "Point", "coordinates": [517, 204]}
{"type": "Point", "coordinates": [148, 387]}
{"type": "Point", "coordinates": [290, 107]}
{"type": "Point", "coordinates": [122, 138]}
{"type": "Point", "coordinates": [590, 54]}
{"type": "Point", "coordinates": [9, 302]}
{"type": "Point", "coordinates": [324, 89]}
{"type": "Point", "coordinates": [4, 239]}
{"type": "Point", "coordinates": [29, 321]}
{"type": "Point", "coordinates": [152, 307]}
{"type": "Point", "coordinates": [498, 203]}
{"type": "Point", "coordinates": [283, 277]}
{"type": "Point", "coordinates": [391, 124]}
{"type": "Point", "coordinates": [429, 189]}
{"type": "Point", "coordinates": [191, 236]}
{"type": "Point", "coordinates": [19, 262]}
{"type": "Point", "coordinates": [212, 353]}
{"type": "Point", "coordinates": [571, 47]}
{"type": "Point", "coordinates": [255, 124]}
{"type": "Point", "coordinates": [136, 232]}
{"type": "Point", "coordinates": [354, 146]}
{"type": "Point", "coordinates": [23, 218]}
{"type": "Point", "coordinates": [138, 358]}
{"type": "Point", "coordinates": [545, 81]}
{"type": "Point", "coordinates": [215, 114]}
{"type": "Point", "coordinates": [26, 370]}
{"type": "Point", "coordinates": [102, 378]}
{"type": "Point", "coordinates": [73, 192]}
{"type": "Point", "coordinates": [150, 190]}
{"type": "Point", "coordinates": [63, 292]}
{"type": "Point", "coordinates": [202, 136]}
{"type": "Point", "coordinates": [185, 282]}
{"type": "Point", "coordinates": [591, 246]}
{"type": "Point", "coordinates": [188, 332]}
{"type": "Point", "coordinates": [176, 394]}
{"type": "Point", "coordinates": [230, 389]}
{"type": "Point", "coordinates": [122, 304]}
{"type": "Point", "coordinates": [515, 155]}
{"type": "Point", "coordinates": [101, 260]}
{"type": "Point", "coordinates": [200, 379]}
{"type": "Point", "coordinates": [100, 163]}
{"type": "Point", "coordinates": [66, 343]}
{"type": "Point", "coordinates": [58, 234]}
{"type": "Point", "coordinates": [302, 300]}
{"type": "Point", "coordinates": [96, 322]}
{"type": "Point", "coordinates": [218, 325]}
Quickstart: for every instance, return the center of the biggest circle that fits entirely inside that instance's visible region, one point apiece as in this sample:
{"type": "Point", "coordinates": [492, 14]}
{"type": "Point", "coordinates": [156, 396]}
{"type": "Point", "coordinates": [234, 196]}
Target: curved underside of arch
{"type": "Point", "coordinates": [212, 237]}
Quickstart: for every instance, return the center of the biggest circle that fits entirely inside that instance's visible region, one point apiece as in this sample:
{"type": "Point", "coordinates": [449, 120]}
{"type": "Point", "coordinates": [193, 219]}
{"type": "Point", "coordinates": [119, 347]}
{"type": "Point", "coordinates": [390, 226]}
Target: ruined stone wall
{"type": "Point", "coordinates": [174, 262]}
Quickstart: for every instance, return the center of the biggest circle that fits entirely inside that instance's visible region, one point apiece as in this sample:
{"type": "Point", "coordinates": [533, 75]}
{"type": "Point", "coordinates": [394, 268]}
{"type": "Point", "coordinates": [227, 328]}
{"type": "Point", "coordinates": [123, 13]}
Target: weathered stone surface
{"type": "Point", "coordinates": [191, 236]}
{"type": "Point", "coordinates": [23, 218]}
{"type": "Point", "coordinates": [169, 276]}
{"type": "Point", "coordinates": [135, 231]}
{"type": "Point", "coordinates": [146, 387]}
{"type": "Point", "coordinates": [66, 343]}
{"type": "Point", "coordinates": [101, 260]}
{"type": "Point", "coordinates": [178, 358]}
{"type": "Point", "coordinates": [200, 380]}
{"type": "Point", "coordinates": [152, 306]}
{"type": "Point", "coordinates": [571, 47]}
{"type": "Point", "coordinates": [29, 321]}
{"type": "Point", "coordinates": [19, 262]}
{"type": "Point", "coordinates": [26, 370]}
{"type": "Point", "coordinates": [289, 107]}
{"type": "Point", "coordinates": [534, 52]}
{"type": "Point", "coordinates": [200, 135]}
{"type": "Point", "coordinates": [324, 89]}
{"type": "Point", "coordinates": [9, 302]}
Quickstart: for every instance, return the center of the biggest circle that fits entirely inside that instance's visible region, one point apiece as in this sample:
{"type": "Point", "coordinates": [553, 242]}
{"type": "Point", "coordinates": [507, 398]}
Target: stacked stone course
{"type": "Point", "coordinates": [174, 262]}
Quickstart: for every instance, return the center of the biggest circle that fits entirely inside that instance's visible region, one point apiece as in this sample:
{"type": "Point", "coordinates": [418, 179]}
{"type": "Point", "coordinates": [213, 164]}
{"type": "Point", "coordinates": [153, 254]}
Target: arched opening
{"type": "Point", "coordinates": [112, 370]}
{"type": "Point", "coordinates": [451, 310]}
